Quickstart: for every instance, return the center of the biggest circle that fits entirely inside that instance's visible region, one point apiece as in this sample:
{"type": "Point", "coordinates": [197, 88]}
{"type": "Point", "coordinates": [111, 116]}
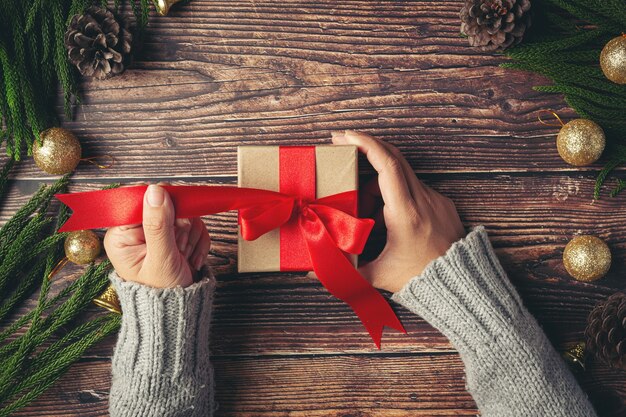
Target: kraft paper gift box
{"type": "Point", "coordinates": [292, 170]}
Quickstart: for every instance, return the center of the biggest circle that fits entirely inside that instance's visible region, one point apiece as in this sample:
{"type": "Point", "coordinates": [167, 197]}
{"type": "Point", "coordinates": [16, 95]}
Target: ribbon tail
{"type": "Point", "coordinates": [375, 313]}
{"type": "Point", "coordinates": [342, 280]}
{"type": "Point", "coordinates": [103, 208]}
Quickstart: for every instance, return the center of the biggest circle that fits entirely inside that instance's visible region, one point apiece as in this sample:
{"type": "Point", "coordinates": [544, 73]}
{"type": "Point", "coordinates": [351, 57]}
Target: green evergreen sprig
{"type": "Point", "coordinates": [37, 348]}
{"type": "Point", "coordinates": [33, 61]}
{"type": "Point", "coordinates": [564, 45]}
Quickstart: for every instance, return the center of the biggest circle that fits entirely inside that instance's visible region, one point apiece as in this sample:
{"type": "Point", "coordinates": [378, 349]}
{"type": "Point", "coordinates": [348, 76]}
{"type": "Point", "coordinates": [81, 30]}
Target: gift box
{"type": "Point", "coordinates": [309, 172]}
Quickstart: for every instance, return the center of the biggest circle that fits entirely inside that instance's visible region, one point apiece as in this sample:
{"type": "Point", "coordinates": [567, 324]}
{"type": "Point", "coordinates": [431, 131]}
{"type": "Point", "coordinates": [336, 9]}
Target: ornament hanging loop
{"type": "Point", "coordinates": [556, 116]}
{"type": "Point", "coordinates": [58, 267]}
{"type": "Point", "coordinates": [93, 160]}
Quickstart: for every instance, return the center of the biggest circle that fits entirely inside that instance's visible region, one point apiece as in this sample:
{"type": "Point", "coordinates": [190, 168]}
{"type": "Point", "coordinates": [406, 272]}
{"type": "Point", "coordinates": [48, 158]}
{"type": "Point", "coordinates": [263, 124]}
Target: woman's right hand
{"type": "Point", "coordinates": [421, 223]}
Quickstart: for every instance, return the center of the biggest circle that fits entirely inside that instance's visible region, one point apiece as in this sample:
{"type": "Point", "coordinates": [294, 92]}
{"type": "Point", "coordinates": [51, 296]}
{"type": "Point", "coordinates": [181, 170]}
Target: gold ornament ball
{"type": "Point", "coordinates": [163, 6]}
{"type": "Point", "coordinates": [82, 246]}
{"type": "Point", "coordinates": [59, 151]}
{"type": "Point", "coordinates": [613, 60]}
{"type": "Point", "coordinates": [587, 258]}
{"type": "Point", "coordinates": [580, 142]}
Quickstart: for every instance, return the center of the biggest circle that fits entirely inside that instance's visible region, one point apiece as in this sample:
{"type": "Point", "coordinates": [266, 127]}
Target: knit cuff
{"type": "Point", "coordinates": [465, 294]}
{"type": "Point", "coordinates": [161, 359]}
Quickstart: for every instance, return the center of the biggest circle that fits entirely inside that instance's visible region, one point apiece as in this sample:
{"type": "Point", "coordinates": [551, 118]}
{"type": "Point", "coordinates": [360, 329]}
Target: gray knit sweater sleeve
{"type": "Point", "coordinates": [161, 360]}
{"type": "Point", "coordinates": [511, 367]}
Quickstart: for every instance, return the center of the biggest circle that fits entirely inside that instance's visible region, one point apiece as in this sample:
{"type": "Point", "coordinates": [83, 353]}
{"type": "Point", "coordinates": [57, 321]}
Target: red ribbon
{"type": "Point", "coordinates": [326, 228]}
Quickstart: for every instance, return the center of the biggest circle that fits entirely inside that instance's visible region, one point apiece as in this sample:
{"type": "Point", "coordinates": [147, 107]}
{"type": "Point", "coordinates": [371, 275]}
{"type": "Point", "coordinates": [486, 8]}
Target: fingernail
{"type": "Point", "coordinates": [338, 136]}
{"type": "Point", "coordinates": [187, 251]}
{"type": "Point", "coordinates": [155, 196]}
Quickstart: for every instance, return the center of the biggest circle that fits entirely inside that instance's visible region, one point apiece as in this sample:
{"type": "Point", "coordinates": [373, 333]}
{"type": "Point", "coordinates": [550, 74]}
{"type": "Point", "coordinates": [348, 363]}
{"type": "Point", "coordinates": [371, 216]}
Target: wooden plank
{"type": "Point", "coordinates": [216, 75]}
{"type": "Point", "coordinates": [329, 386]}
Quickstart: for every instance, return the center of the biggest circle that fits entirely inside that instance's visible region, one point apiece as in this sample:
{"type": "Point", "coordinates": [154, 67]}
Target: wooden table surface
{"type": "Point", "coordinates": [216, 74]}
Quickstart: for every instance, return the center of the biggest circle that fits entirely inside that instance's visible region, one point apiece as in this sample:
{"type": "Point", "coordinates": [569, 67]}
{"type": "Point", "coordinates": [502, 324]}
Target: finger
{"type": "Point", "coordinates": [393, 186]}
{"type": "Point", "coordinates": [129, 226]}
{"type": "Point", "coordinates": [201, 250]}
{"type": "Point", "coordinates": [370, 199]}
{"type": "Point", "coordinates": [197, 228]}
{"type": "Point", "coordinates": [121, 237]}
{"type": "Point", "coordinates": [371, 271]}
{"type": "Point", "coordinates": [416, 187]}
{"type": "Point", "coordinates": [182, 228]}
{"type": "Point", "coordinates": [158, 223]}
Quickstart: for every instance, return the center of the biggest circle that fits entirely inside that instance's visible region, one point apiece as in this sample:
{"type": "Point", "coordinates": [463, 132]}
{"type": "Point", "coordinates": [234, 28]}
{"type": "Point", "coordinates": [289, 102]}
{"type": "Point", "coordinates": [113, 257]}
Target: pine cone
{"type": "Point", "coordinates": [494, 25]}
{"type": "Point", "coordinates": [606, 331]}
{"type": "Point", "coordinates": [97, 43]}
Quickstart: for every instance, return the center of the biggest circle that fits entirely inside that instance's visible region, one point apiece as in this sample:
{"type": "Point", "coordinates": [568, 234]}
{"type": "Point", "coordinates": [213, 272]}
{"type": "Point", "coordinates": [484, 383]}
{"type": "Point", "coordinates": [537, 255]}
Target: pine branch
{"type": "Point", "coordinates": [4, 175]}
{"type": "Point", "coordinates": [26, 285]}
{"type": "Point", "coordinates": [618, 158]}
{"type": "Point", "coordinates": [58, 365]}
{"type": "Point", "coordinates": [11, 229]}
{"type": "Point", "coordinates": [621, 185]}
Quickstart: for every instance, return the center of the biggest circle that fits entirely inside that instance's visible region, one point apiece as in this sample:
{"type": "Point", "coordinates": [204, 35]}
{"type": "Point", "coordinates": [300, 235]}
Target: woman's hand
{"type": "Point", "coordinates": [162, 251]}
{"type": "Point", "coordinates": [421, 223]}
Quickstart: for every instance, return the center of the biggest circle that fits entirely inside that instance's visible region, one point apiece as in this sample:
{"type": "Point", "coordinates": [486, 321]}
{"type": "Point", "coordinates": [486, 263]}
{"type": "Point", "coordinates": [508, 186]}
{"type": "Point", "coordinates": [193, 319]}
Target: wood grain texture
{"type": "Point", "coordinates": [217, 74]}
{"type": "Point", "coordinates": [333, 386]}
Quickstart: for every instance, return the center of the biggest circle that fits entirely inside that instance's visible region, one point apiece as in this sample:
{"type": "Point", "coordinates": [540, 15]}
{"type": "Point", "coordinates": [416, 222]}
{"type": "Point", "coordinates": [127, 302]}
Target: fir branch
{"type": "Point", "coordinates": [10, 230]}
{"type": "Point", "coordinates": [54, 369]}
{"type": "Point", "coordinates": [26, 318]}
{"type": "Point", "coordinates": [26, 285]}
{"type": "Point", "coordinates": [20, 253]}
{"type": "Point", "coordinates": [93, 283]}
{"type": "Point", "coordinates": [594, 12]}
{"type": "Point", "coordinates": [85, 289]}
{"type": "Point", "coordinates": [4, 175]}
{"type": "Point", "coordinates": [621, 185]}
{"type": "Point", "coordinates": [15, 116]}
{"type": "Point", "coordinates": [619, 157]}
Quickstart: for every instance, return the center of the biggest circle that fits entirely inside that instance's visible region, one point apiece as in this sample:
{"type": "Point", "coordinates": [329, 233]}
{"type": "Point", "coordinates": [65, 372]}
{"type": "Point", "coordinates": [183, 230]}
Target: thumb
{"type": "Point", "coordinates": [158, 222]}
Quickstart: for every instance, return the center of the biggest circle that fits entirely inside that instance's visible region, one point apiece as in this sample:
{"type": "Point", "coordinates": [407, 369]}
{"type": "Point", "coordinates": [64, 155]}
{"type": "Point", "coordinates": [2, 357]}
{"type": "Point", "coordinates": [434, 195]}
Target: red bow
{"type": "Point", "coordinates": [326, 225]}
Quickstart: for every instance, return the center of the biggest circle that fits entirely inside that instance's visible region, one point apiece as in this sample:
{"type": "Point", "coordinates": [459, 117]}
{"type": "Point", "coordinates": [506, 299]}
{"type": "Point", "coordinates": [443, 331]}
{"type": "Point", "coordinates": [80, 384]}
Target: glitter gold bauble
{"type": "Point", "coordinates": [59, 151]}
{"type": "Point", "coordinates": [109, 300]}
{"type": "Point", "coordinates": [587, 258]}
{"type": "Point", "coordinates": [163, 6]}
{"type": "Point", "coordinates": [613, 60]}
{"type": "Point", "coordinates": [580, 142]}
{"type": "Point", "coordinates": [82, 246]}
